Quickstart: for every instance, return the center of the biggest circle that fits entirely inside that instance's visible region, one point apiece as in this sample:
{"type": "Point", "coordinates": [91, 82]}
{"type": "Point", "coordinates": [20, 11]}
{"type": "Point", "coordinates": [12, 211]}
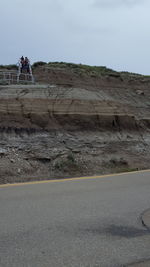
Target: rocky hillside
{"type": "Point", "coordinates": [75, 120]}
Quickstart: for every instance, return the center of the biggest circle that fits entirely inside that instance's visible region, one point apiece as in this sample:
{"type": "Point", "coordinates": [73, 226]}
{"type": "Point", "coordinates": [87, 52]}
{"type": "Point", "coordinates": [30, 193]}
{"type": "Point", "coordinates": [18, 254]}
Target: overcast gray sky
{"type": "Point", "coordinates": [112, 33]}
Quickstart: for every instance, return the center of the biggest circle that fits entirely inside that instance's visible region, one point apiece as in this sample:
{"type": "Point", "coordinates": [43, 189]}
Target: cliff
{"type": "Point", "coordinates": [76, 120]}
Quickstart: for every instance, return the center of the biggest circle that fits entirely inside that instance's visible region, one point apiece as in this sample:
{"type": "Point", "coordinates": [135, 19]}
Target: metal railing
{"type": "Point", "coordinates": [14, 77]}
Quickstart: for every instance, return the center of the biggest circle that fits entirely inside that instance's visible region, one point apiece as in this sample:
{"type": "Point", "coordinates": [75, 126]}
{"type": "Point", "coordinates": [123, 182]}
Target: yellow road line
{"type": "Point", "coordinates": [71, 179]}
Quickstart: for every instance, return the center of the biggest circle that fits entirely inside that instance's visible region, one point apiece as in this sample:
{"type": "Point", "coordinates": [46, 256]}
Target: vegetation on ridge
{"type": "Point", "coordinates": [86, 69]}
{"type": "Point", "coordinates": [79, 69]}
{"type": "Point", "coordinates": [8, 67]}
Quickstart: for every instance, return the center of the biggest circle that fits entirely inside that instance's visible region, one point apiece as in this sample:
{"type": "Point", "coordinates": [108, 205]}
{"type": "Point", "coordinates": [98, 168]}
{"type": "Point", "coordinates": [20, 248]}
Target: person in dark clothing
{"type": "Point", "coordinates": [22, 59]}
{"type": "Point", "coordinates": [22, 62]}
{"type": "Point", "coordinates": [26, 63]}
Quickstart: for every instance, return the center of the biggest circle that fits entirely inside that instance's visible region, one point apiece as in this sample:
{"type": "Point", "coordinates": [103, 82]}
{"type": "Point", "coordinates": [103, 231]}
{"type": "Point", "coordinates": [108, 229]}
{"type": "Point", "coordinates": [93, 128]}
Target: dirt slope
{"type": "Point", "coordinates": [74, 122]}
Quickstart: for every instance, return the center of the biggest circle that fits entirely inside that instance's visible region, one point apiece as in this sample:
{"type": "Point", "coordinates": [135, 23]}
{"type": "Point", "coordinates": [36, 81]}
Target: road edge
{"type": "Point", "coordinates": [71, 179]}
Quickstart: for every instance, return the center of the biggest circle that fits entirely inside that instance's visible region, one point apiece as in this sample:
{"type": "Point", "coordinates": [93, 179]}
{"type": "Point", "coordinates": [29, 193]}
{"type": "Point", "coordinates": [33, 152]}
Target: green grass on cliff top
{"type": "Point", "coordinates": [64, 65]}
{"type": "Point", "coordinates": [85, 69]}
{"type": "Point", "coordinates": [77, 68]}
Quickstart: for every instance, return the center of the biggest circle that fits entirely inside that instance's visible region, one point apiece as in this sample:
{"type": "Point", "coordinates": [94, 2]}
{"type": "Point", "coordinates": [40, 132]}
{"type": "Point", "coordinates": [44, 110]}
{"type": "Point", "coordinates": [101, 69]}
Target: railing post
{"type": "Point", "coordinates": [9, 78]}
{"type": "Point", "coordinates": [18, 74]}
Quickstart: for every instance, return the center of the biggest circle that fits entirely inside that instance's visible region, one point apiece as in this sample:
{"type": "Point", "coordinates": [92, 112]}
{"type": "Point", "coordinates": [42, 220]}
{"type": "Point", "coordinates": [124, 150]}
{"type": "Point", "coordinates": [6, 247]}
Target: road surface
{"type": "Point", "coordinates": [84, 222]}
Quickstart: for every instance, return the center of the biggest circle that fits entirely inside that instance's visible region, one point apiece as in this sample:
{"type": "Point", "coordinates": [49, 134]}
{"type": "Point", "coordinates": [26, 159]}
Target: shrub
{"type": "Point", "coordinates": [38, 63]}
{"type": "Point", "coordinates": [9, 67]}
{"type": "Point", "coordinates": [71, 158]}
{"type": "Point", "coordinates": [66, 163]}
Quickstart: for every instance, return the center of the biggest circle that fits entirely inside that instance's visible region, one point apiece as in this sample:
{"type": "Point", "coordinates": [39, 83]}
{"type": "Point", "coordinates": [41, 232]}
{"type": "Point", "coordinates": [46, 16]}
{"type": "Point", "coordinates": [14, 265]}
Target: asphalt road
{"type": "Point", "coordinates": [85, 222]}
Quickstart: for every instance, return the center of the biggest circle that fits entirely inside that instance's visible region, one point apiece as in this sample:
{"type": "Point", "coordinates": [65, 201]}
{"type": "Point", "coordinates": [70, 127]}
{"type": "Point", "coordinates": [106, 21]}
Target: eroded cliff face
{"type": "Point", "coordinates": [71, 125]}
